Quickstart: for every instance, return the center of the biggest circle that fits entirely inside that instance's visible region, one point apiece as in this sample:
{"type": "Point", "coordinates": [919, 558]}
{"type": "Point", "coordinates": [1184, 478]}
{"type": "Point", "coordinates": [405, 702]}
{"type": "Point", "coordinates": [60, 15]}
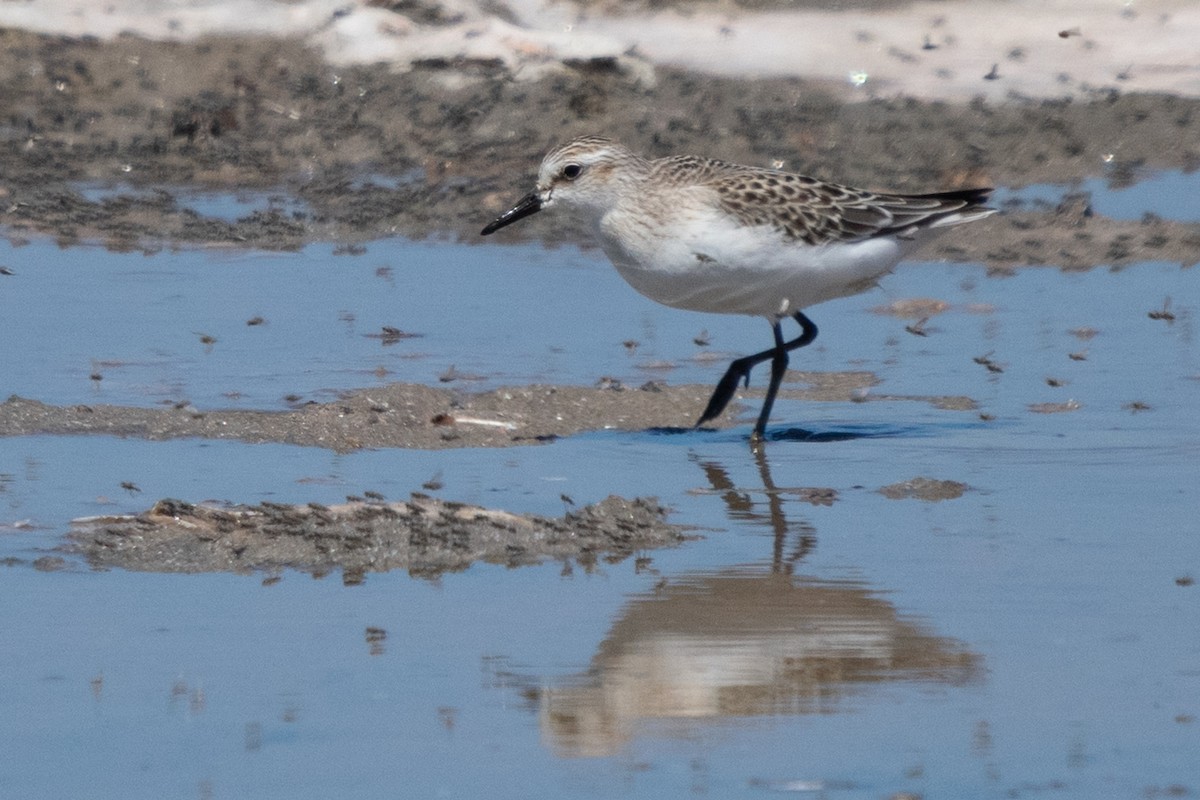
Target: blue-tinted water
{"type": "Point", "coordinates": [212, 204]}
{"type": "Point", "coordinates": [1036, 635]}
{"type": "Point", "coordinates": [1172, 195]}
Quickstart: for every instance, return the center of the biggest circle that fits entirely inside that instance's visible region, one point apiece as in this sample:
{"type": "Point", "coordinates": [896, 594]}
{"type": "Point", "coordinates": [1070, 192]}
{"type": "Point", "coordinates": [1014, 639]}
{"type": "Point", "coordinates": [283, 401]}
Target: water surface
{"type": "Point", "coordinates": [1035, 635]}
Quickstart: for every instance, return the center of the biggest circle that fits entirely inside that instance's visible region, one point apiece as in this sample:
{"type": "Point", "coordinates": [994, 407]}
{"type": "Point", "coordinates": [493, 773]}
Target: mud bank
{"type": "Point", "coordinates": [424, 536]}
{"type": "Point", "coordinates": [417, 416]}
{"type": "Point", "coordinates": [365, 152]}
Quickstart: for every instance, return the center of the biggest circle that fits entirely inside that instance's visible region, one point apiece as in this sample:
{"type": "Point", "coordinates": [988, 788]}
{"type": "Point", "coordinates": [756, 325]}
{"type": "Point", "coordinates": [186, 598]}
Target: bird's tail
{"type": "Point", "coordinates": [953, 207]}
{"type": "Point", "coordinates": [909, 214]}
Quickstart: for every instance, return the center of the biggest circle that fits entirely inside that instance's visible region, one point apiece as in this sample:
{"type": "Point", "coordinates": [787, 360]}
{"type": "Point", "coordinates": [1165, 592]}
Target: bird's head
{"type": "Point", "coordinates": [586, 174]}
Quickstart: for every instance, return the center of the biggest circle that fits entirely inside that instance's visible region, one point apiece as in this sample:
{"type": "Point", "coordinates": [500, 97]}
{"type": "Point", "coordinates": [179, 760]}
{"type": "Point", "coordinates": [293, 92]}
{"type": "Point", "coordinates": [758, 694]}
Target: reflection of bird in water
{"type": "Point", "coordinates": [743, 643]}
{"type": "Point", "coordinates": [738, 644]}
{"type": "Point", "coordinates": [741, 507]}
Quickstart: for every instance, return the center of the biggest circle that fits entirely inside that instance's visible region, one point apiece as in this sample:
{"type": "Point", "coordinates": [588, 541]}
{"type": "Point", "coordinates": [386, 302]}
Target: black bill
{"type": "Point", "coordinates": [529, 204]}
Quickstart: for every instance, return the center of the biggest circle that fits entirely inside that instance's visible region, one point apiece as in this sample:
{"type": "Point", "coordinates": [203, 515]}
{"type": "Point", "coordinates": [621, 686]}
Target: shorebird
{"type": "Point", "coordinates": [707, 235]}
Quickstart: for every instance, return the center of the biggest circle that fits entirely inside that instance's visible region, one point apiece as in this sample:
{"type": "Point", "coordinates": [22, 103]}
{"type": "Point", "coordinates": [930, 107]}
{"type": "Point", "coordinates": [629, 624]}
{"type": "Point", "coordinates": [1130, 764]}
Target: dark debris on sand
{"type": "Point", "coordinates": [423, 536]}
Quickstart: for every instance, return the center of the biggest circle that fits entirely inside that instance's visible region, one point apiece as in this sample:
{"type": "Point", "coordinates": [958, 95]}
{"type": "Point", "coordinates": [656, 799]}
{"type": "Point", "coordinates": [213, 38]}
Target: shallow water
{"type": "Point", "coordinates": [1171, 194]}
{"type": "Point", "coordinates": [1037, 634]}
{"type": "Point", "coordinates": [217, 205]}
{"type": "Point", "coordinates": [493, 315]}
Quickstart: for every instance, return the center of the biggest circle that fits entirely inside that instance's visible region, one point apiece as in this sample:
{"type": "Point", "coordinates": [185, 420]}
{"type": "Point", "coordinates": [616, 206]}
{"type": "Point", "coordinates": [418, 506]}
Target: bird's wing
{"type": "Point", "coordinates": [814, 211]}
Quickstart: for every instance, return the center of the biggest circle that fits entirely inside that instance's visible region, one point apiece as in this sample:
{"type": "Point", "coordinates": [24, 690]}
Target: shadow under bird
{"type": "Point", "coordinates": [707, 235]}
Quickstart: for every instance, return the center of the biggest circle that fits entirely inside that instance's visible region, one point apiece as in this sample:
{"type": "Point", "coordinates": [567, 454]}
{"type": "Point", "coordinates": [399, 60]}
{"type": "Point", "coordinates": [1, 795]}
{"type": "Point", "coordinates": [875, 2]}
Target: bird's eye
{"type": "Point", "coordinates": [571, 171]}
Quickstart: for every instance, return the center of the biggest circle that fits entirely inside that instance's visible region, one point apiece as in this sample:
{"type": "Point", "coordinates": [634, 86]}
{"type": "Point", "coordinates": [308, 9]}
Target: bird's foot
{"type": "Point", "coordinates": [727, 387]}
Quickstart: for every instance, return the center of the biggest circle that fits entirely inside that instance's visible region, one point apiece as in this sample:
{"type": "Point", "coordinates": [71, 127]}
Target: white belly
{"type": "Point", "coordinates": [712, 264]}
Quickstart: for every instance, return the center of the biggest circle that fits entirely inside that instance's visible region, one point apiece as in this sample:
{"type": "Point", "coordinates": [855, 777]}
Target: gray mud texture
{"type": "Point", "coordinates": [443, 148]}
{"type": "Point", "coordinates": [406, 415]}
{"type": "Point", "coordinates": [931, 490]}
{"type": "Point", "coordinates": [424, 536]}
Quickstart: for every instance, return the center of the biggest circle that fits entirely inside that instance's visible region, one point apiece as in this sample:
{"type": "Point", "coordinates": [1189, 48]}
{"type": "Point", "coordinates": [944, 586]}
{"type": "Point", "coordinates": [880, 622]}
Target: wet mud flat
{"type": "Point", "coordinates": [424, 536]}
{"type": "Point", "coordinates": [414, 416]}
{"type": "Point", "coordinates": [441, 148]}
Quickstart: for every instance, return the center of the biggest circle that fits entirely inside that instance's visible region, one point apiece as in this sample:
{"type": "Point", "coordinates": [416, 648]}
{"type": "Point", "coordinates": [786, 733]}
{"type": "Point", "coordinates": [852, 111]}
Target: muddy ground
{"type": "Point", "coordinates": [423, 535]}
{"type": "Point", "coordinates": [437, 152]}
{"type": "Point", "coordinates": [441, 149]}
{"type": "Point", "coordinates": [416, 416]}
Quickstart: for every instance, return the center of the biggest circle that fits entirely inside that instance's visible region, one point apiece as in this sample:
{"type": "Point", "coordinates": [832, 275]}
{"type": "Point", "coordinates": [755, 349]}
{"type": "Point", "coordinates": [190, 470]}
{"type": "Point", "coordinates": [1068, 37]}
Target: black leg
{"type": "Point", "coordinates": [779, 364]}
{"type": "Point", "coordinates": [739, 371]}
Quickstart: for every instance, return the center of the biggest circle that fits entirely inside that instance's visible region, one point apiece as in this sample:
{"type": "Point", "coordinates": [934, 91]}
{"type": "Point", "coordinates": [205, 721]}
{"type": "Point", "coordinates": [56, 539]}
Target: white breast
{"type": "Point", "coordinates": [704, 260]}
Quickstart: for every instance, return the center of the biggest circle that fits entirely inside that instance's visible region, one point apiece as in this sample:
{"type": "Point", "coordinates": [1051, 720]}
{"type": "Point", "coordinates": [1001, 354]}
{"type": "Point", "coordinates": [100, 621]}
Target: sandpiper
{"type": "Point", "coordinates": [707, 235]}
